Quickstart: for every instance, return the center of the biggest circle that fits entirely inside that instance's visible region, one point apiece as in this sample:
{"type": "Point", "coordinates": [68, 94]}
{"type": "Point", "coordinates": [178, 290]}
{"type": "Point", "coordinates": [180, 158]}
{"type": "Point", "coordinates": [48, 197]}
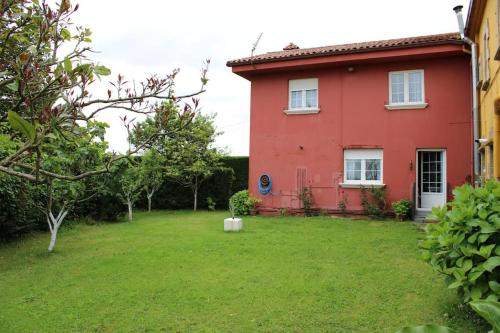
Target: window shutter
{"type": "Point", "coordinates": [486, 52]}
{"type": "Point", "coordinates": [497, 55]}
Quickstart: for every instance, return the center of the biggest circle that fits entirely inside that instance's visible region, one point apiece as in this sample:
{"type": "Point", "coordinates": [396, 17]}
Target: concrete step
{"type": "Point", "coordinates": [421, 215]}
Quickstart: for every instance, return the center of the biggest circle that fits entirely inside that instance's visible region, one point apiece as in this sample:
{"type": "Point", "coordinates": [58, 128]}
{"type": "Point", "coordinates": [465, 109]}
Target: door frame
{"type": "Point", "coordinates": [444, 178]}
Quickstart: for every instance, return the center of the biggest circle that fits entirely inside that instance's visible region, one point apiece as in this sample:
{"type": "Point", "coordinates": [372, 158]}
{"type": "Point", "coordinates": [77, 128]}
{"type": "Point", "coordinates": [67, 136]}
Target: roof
{"type": "Point", "coordinates": [389, 44]}
{"type": "Point", "coordinates": [474, 17]}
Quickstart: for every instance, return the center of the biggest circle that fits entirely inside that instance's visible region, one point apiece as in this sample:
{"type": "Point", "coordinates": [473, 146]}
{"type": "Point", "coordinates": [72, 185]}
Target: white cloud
{"type": "Point", "coordinates": [141, 38]}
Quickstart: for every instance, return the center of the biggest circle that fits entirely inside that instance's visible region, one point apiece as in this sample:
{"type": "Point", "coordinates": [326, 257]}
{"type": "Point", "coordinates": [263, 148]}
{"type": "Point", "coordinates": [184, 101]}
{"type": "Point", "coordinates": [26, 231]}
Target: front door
{"type": "Point", "coordinates": [431, 178]}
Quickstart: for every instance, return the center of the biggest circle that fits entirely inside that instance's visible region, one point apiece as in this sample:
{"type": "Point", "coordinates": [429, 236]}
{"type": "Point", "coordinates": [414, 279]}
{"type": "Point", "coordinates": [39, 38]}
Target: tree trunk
{"type": "Point", "coordinates": [195, 195]}
{"type": "Point", "coordinates": [54, 224]}
{"type": "Point", "coordinates": [150, 196]}
{"type": "Point", "coordinates": [129, 204]}
{"type": "Point", "coordinates": [53, 238]}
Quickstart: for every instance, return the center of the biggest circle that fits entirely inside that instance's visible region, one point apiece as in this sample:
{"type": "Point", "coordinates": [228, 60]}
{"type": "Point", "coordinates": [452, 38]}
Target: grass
{"type": "Point", "coordinates": [179, 272]}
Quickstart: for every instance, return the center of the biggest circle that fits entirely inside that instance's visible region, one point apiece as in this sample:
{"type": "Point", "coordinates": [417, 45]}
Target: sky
{"type": "Point", "coordinates": [140, 38]}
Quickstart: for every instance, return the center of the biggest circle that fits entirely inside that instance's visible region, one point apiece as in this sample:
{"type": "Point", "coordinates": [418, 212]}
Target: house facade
{"type": "Point", "coordinates": [394, 114]}
{"type": "Point", "coordinates": [483, 27]}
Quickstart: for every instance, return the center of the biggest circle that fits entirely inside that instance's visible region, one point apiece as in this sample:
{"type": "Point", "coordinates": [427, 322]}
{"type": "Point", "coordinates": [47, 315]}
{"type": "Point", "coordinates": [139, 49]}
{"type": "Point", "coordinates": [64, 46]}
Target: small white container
{"type": "Point", "coordinates": [231, 224]}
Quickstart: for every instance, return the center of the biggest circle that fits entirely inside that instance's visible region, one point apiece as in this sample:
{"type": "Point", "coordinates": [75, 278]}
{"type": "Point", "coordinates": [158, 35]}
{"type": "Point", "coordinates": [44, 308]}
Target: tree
{"type": "Point", "coordinates": [130, 184]}
{"type": "Point", "coordinates": [74, 153]}
{"type": "Point", "coordinates": [152, 173]}
{"type": "Point", "coordinates": [191, 155]}
{"type": "Point", "coordinates": [44, 91]}
{"type": "Point", "coordinates": [46, 104]}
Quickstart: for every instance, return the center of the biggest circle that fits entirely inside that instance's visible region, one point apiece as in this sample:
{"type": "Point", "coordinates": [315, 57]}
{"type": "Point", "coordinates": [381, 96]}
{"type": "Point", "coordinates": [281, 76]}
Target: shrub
{"type": "Point", "coordinates": [307, 200]}
{"type": "Point", "coordinates": [210, 204]}
{"type": "Point", "coordinates": [465, 244]}
{"type": "Point", "coordinates": [374, 206]}
{"type": "Point", "coordinates": [402, 209]}
{"type": "Point", "coordinates": [343, 204]}
{"type": "Point", "coordinates": [243, 202]}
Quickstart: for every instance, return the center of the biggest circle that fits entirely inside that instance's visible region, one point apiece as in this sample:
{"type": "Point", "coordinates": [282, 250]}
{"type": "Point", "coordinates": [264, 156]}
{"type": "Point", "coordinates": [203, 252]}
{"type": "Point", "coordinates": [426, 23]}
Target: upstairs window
{"type": "Point", "coordinates": [363, 166]}
{"type": "Point", "coordinates": [406, 88]}
{"type": "Point", "coordinates": [303, 96]}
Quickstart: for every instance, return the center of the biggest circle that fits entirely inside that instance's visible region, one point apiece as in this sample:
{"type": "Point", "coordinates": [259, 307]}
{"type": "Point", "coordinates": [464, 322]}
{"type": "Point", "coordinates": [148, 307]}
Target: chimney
{"type": "Point", "coordinates": [291, 46]}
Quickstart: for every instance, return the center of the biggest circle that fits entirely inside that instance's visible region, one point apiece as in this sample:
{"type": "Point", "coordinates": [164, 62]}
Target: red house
{"type": "Point", "coordinates": [393, 114]}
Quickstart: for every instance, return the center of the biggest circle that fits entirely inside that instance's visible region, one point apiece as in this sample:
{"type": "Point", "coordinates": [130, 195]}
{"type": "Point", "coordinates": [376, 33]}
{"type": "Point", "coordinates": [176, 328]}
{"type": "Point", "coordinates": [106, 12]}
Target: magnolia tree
{"type": "Point", "coordinates": [46, 80]}
{"type": "Point", "coordinates": [74, 151]}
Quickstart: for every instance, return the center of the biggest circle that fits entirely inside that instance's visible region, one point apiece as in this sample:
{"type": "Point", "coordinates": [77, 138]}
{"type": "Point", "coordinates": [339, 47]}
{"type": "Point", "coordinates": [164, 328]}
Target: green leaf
{"type": "Point", "coordinates": [426, 329]}
{"type": "Point", "coordinates": [21, 125]}
{"type": "Point", "coordinates": [455, 285]}
{"type": "Point", "coordinates": [65, 34]}
{"type": "Point", "coordinates": [102, 70]}
{"type": "Point", "coordinates": [14, 86]}
{"type": "Point", "coordinates": [490, 311]}
{"type": "Point", "coordinates": [491, 263]}
{"type": "Point", "coordinates": [475, 273]}
{"type": "Point", "coordinates": [68, 66]}
{"type": "Point", "coordinates": [495, 286]}
{"type": "Point", "coordinates": [475, 293]}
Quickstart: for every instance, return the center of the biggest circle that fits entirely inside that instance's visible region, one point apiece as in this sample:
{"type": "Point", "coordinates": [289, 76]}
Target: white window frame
{"type": "Point", "coordinates": [363, 155]}
{"type": "Point", "coordinates": [302, 85]}
{"type": "Point", "coordinates": [406, 104]}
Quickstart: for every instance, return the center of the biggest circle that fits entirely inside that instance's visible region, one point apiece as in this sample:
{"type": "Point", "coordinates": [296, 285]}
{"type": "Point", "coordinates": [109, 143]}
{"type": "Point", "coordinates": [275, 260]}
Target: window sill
{"type": "Point", "coordinates": [301, 111]}
{"type": "Point", "coordinates": [359, 185]}
{"type": "Point", "coordinates": [406, 106]}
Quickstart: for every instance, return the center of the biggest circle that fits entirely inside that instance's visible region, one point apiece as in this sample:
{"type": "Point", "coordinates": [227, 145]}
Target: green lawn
{"type": "Point", "coordinates": [179, 272]}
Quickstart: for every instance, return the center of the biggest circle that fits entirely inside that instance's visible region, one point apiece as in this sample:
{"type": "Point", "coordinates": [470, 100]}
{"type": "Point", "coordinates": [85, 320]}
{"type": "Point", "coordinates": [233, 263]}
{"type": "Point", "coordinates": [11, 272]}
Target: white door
{"type": "Point", "coordinates": [432, 178]}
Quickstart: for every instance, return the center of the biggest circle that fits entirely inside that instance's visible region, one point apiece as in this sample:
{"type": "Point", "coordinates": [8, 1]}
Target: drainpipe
{"type": "Point", "coordinates": [475, 115]}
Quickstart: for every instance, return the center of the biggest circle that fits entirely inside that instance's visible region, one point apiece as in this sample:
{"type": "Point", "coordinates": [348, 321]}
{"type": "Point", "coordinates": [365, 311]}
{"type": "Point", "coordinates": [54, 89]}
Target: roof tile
{"type": "Point", "coordinates": [290, 53]}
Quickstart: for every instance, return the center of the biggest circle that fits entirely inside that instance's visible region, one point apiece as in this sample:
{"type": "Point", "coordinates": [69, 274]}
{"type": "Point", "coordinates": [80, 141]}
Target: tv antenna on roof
{"type": "Point", "coordinates": [255, 46]}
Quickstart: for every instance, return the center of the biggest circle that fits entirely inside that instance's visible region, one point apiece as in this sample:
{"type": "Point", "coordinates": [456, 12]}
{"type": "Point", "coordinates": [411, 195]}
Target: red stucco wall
{"type": "Point", "coordinates": [353, 114]}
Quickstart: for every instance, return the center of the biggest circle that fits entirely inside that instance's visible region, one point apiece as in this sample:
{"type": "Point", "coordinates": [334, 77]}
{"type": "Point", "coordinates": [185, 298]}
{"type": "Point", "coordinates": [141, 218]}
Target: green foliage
{"type": "Point", "coordinates": [21, 125]}
{"type": "Point", "coordinates": [239, 164]}
{"type": "Point", "coordinates": [211, 204]}
{"type": "Point", "coordinates": [243, 202]}
{"type": "Point", "coordinates": [426, 329]}
{"type": "Point", "coordinates": [189, 153]}
{"type": "Point", "coordinates": [343, 204]}
{"type": "Point", "coordinates": [307, 200]}
{"type": "Point", "coordinates": [374, 205]}
{"type": "Point", "coordinates": [402, 209]}
{"type": "Point", "coordinates": [490, 311]}
{"type": "Point", "coordinates": [465, 244]}
{"type": "Point", "coordinates": [19, 213]}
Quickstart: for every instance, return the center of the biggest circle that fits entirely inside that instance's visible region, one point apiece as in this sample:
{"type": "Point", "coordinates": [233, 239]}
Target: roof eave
{"type": "Point", "coordinates": [233, 63]}
{"type": "Point", "coordinates": [336, 59]}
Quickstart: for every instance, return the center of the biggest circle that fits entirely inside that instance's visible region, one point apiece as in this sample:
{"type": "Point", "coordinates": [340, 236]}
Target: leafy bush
{"type": "Point", "coordinates": [210, 204]}
{"type": "Point", "coordinates": [402, 208]}
{"type": "Point", "coordinates": [19, 212]}
{"type": "Point", "coordinates": [243, 202]}
{"type": "Point", "coordinates": [307, 200]}
{"type": "Point", "coordinates": [343, 204]}
{"type": "Point", "coordinates": [375, 205]}
{"type": "Point", "coordinates": [465, 244]}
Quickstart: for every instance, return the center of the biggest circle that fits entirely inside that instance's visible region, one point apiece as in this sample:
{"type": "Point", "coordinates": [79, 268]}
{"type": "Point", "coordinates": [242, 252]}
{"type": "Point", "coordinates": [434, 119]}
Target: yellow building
{"type": "Point", "coordinates": [483, 27]}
